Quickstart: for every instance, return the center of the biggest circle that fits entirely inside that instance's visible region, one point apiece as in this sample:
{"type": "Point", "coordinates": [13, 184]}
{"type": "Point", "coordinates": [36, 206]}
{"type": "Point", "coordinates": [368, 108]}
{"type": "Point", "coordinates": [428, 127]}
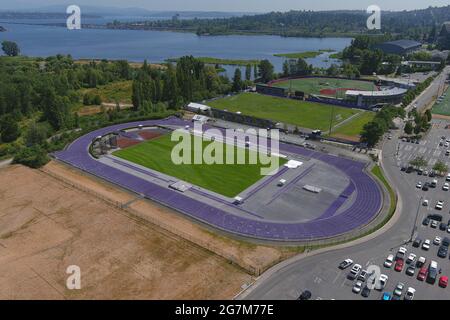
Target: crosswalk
{"type": "Point", "coordinates": [428, 150]}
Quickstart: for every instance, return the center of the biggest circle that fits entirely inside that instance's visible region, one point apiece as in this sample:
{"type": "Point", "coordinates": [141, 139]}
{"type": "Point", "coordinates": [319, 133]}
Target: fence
{"type": "Point", "coordinates": [211, 246]}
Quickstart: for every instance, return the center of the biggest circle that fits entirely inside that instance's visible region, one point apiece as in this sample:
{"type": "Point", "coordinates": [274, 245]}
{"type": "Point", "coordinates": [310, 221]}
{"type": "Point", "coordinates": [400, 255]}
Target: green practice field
{"type": "Point", "coordinates": [443, 108]}
{"type": "Point", "coordinates": [325, 86]}
{"type": "Point", "coordinates": [226, 179]}
{"type": "Point", "coordinates": [300, 113]}
{"type": "Point", "coordinates": [352, 130]}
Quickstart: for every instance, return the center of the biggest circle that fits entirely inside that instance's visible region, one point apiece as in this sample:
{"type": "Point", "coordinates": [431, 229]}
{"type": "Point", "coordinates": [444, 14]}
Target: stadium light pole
{"type": "Point", "coordinates": [415, 221]}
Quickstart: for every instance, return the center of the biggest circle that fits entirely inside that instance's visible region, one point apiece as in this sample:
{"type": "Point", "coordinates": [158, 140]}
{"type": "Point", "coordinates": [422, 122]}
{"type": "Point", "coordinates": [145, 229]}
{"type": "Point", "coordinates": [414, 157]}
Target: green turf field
{"type": "Point", "coordinates": [315, 85]}
{"type": "Point", "coordinates": [226, 179]}
{"type": "Point", "coordinates": [300, 113]}
{"type": "Point", "coordinates": [353, 128]}
{"type": "Point", "coordinates": [443, 107]}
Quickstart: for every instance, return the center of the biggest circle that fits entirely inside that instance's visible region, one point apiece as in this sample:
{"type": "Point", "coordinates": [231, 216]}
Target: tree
{"type": "Point", "coordinates": [237, 80]}
{"type": "Point", "coordinates": [428, 115]}
{"type": "Point", "coordinates": [440, 167]}
{"type": "Point", "coordinates": [419, 162]}
{"type": "Point", "coordinates": [266, 71]}
{"type": "Point", "coordinates": [10, 48]}
{"type": "Point", "coordinates": [9, 129]}
{"type": "Point", "coordinates": [36, 134]}
{"type": "Point", "coordinates": [409, 127]}
{"type": "Point", "coordinates": [372, 132]}
{"type": "Point", "coordinates": [248, 72]}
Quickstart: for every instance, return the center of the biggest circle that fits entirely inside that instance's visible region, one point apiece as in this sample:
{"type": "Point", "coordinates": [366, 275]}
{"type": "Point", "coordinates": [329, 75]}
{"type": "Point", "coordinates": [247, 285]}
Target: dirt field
{"type": "Point", "coordinates": [46, 225]}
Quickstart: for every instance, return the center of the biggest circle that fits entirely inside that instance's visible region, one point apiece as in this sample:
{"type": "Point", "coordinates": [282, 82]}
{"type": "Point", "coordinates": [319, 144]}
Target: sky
{"type": "Point", "coordinates": [232, 5]}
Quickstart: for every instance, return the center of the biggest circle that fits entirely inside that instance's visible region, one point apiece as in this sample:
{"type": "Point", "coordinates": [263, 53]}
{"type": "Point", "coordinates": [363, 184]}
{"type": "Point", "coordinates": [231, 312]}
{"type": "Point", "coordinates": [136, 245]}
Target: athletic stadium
{"type": "Point", "coordinates": [312, 195]}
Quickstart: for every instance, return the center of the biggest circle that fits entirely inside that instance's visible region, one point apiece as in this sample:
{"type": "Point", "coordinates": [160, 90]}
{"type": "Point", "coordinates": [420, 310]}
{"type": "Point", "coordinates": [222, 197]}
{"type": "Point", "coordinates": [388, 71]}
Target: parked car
{"type": "Point", "coordinates": [434, 224]}
{"type": "Point", "coordinates": [401, 253]}
{"type": "Point", "coordinates": [382, 281]}
{"type": "Point", "coordinates": [399, 265]}
{"type": "Point", "coordinates": [411, 258]}
{"type": "Point", "coordinates": [354, 272]}
{"type": "Point", "coordinates": [386, 296]}
{"type": "Point", "coordinates": [422, 274]}
{"type": "Point", "coordinates": [417, 242]}
{"type": "Point", "coordinates": [439, 205]}
{"type": "Point", "coordinates": [442, 252]}
{"type": "Point", "coordinates": [443, 281]}
{"type": "Point", "coordinates": [306, 295]}
{"type": "Point", "coordinates": [437, 241]}
{"type": "Point", "coordinates": [363, 275]}
{"type": "Point", "coordinates": [426, 221]}
{"type": "Point", "coordinates": [446, 186]}
{"type": "Point", "coordinates": [366, 292]}
{"type": "Point", "coordinates": [442, 226]}
{"type": "Point", "coordinates": [432, 272]}
{"type": "Point", "coordinates": [446, 242]}
{"type": "Point", "coordinates": [425, 202]}
{"type": "Point", "coordinates": [345, 264]}
{"type": "Point", "coordinates": [398, 291]}
{"type": "Point", "coordinates": [409, 295]}
{"type": "Point", "coordinates": [357, 287]}
{"type": "Point", "coordinates": [419, 185]}
{"type": "Point", "coordinates": [411, 270]}
{"type": "Point", "coordinates": [421, 262]}
{"type": "Point", "coordinates": [426, 245]}
{"type": "Point", "coordinates": [389, 261]}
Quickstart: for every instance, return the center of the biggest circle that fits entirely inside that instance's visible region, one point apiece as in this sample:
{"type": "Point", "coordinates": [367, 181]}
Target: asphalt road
{"type": "Point", "coordinates": [436, 88]}
{"type": "Point", "coordinates": [320, 274]}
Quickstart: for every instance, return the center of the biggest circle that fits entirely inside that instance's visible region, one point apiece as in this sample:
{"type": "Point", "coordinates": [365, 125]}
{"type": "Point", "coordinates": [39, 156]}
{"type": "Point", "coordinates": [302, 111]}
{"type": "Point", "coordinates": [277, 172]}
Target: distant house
{"type": "Point", "coordinates": [400, 47]}
{"type": "Point", "coordinates": [444, 37]}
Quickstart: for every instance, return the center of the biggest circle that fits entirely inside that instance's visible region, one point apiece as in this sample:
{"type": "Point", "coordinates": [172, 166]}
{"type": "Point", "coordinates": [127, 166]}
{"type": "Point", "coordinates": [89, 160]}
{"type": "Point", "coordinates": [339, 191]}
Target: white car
{"type": "Point", "coordinates": [382, 281]}
{"type": "Point", "coordinates": [389, 261]}
{"type": "Point", "coordinates": [419, 185]}
{"type": "Point", "coordinates": [440, 205]}
{"type": "Point", "coordinates": [410, 294]}
{"type": "Point", "coordinates": [448, 229]}
{"type": "Point", "coordinates": [399, 289]}
{"type": "Point", "coordinates": [411, 258]}
{"type": "Point", "coordinates": [357, 287]}
{"type": "Point", "coordinates": [426, 245]}
{"type": "Point", "coordinates": [425, 203]}
{"type": "Point", "coordinates": [437, 241]}
{"type": "Point", "coordinates": [434, 224]}
{"type": "Point", "coordinates": [446, 186]}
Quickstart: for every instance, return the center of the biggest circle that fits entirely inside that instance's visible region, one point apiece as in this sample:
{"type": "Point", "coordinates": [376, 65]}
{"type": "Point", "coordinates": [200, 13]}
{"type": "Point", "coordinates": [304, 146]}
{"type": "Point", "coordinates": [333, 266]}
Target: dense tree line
{"type": "Point", "coordinates": [382, 122]}
{"type": "Point", "coordinates": [189, 80]}
{"type": "Point", "coordinates": [414, 24]}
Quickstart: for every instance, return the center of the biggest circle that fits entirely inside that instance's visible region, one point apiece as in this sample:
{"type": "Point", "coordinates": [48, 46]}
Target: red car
{"type": "Point", "coordinates": [443, 282]}
{"type": "Point", "coordinates": [422, 274]}
{"type": "Point", "coordinates": [399, 265]}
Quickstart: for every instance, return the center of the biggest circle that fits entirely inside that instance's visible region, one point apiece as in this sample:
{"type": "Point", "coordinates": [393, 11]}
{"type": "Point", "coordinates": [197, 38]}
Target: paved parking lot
{"type": "Point", "coordinates": [320, 274]}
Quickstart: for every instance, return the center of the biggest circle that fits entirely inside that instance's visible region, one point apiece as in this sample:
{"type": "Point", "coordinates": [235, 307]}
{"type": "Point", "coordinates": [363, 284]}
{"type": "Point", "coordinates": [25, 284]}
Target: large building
{"type": "Point", "coordinates": [400, 47]}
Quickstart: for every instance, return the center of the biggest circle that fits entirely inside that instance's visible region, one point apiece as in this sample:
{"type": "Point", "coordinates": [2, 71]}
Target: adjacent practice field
{"type": "Point", "coordinates": [226, 179]}
{"type": "Point", "coordinates": [353, 128]}
{"type": "Point", "coordinates": [300, 113]}
{"type": "Point", "coordinates": [443, 108]}
{"type": "Point", "coordinates": [325, 86]}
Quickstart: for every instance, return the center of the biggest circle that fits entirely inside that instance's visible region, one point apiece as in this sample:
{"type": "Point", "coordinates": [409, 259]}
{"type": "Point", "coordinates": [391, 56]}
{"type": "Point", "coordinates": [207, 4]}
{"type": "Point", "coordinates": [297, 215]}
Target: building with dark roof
{"type": "Point", "coordinates": [400, 47]}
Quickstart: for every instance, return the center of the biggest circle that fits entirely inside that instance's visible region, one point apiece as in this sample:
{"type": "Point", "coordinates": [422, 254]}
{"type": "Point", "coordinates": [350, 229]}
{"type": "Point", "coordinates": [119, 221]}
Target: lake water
{"type": "Point", "coordinates": [156, 46]}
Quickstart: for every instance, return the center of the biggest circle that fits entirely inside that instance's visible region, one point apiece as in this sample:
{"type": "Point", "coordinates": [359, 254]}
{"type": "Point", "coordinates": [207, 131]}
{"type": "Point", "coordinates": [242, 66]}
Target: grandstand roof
{"type": "Point", "coordinates": [198, 106]}
{"type": "Point", "coordinates": [382, 93]}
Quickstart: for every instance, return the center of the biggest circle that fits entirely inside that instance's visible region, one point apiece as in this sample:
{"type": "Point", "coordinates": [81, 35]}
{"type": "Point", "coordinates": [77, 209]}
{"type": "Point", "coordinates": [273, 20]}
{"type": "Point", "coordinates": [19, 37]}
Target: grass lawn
{"type": "Point", "coordinates": [303, 55]}
{"type": "Point", "coordinates": [315, 85]}
{"type": "Point", "coordinates": [300, 113]}
{"type": "Point", "coordinates": [354, 127]}
{"type": "Point", "coordinates": [112, 92]}
{"type": "Point", "coordinates": [443, 107]}
{"type": "Point", "coordinates": [226, 179]}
